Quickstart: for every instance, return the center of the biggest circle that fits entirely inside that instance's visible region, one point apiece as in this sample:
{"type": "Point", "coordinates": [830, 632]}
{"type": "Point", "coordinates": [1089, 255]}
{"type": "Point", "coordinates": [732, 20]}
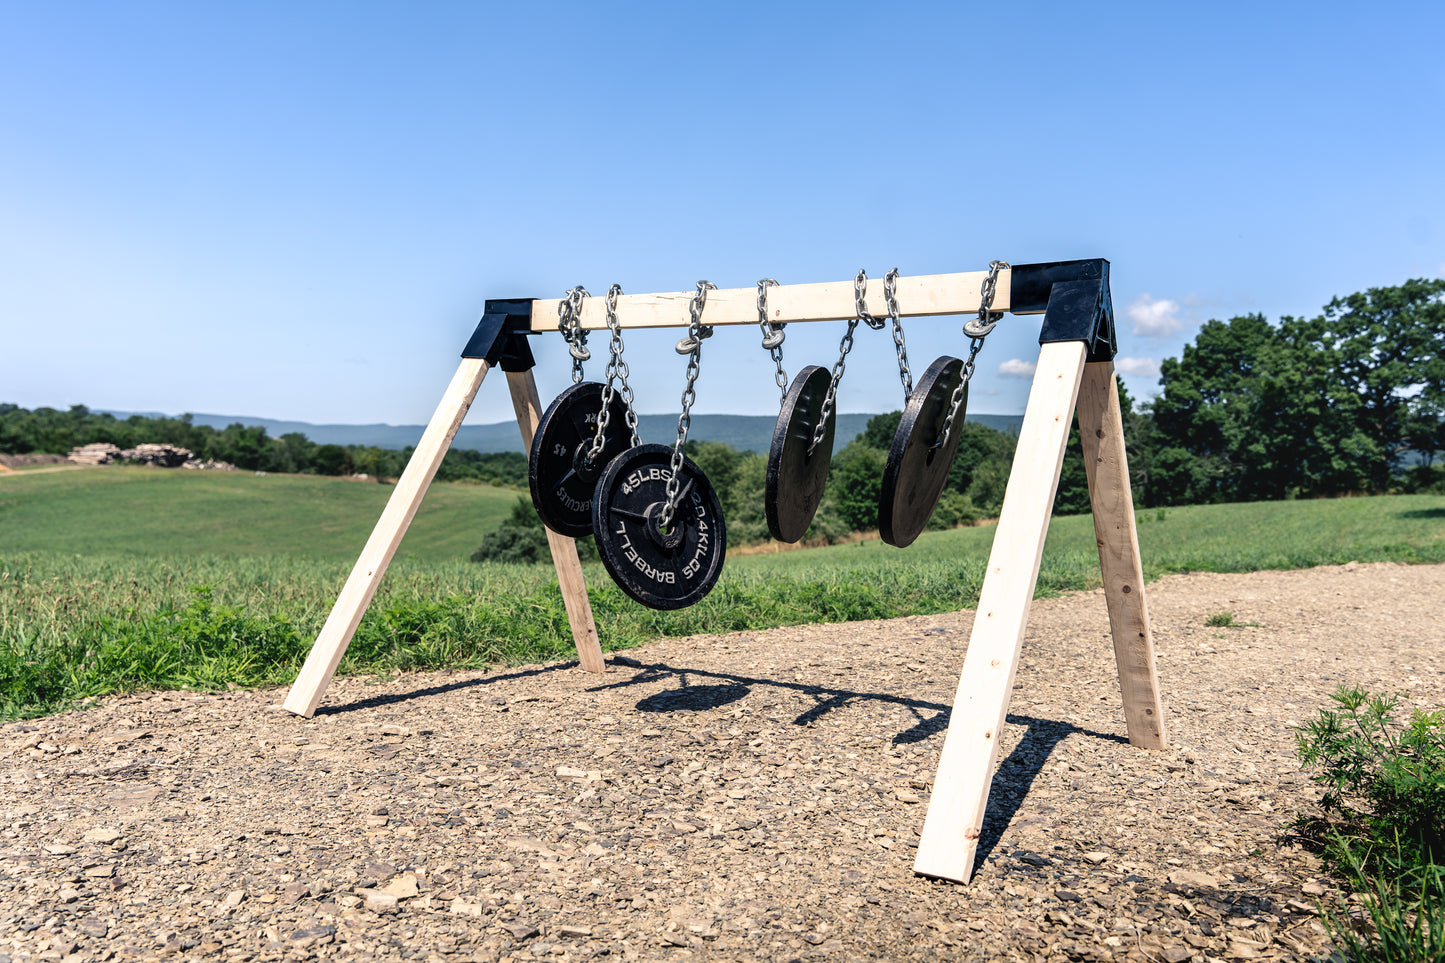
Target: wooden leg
{"type": "Point", "coordinates": [406, 497]}
{"type": "Point", "coordinates": [1101, 426]}
{"type": "Point", "coordinates": [564, 550]}
{"type": "Point", "coordinates": [970, 749]}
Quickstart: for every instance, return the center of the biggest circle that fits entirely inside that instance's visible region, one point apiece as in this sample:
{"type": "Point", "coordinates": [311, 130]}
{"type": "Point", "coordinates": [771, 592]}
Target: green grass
{"type": "Point", "coordinates": [229, 581]}
{"type": "Point", "coordinates": [1245, 537]}
{"type": "Point", "coordinates": [150, 511]}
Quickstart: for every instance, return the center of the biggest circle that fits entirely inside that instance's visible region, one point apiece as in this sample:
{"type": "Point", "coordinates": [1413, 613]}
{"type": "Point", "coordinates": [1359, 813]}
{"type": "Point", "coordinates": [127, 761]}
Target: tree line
{"type": "Point", "coordinates": [52, 431]}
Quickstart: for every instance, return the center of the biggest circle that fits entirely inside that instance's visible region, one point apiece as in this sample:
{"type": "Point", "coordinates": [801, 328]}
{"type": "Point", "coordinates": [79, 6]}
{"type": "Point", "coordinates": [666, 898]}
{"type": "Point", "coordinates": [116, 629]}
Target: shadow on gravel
{"type": "Point", "coordinates": [734, 687]}
{"type": "Point", "coordinates": [391, 698]}
{"type": "Point", "coordinates": [1011, 783]}
{"type": "Point", "coordinates": [1016, 774]}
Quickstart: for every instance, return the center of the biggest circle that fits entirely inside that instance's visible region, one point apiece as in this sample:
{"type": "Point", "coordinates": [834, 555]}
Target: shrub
{"type": "Point", "coordinates": [1382, 822]}
{"type": "Point", "coordinates": [521, 540]}
{"type": "Point", "coordinates": [1384, 780]}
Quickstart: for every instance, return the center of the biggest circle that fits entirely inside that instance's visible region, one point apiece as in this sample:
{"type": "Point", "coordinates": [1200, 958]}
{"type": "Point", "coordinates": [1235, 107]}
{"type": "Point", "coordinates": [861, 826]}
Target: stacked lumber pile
{"type": "Point", "coordinates": [98, 453]}
{"type": "Point", "coordinates": [162, 456]}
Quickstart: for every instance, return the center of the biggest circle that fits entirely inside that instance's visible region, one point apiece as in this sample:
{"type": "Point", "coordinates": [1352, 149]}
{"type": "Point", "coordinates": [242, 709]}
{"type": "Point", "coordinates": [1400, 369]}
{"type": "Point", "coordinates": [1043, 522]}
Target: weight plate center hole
{"type": "Point", "coordinates": [585, 469]}
{"type": "Point", "coordinates": [669, 538]}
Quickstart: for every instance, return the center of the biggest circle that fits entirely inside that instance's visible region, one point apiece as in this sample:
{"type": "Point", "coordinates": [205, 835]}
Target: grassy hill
{"type": "Point", "coordinates": [115, 579]}
{"type": "Point", "coordinates": [149, 511]}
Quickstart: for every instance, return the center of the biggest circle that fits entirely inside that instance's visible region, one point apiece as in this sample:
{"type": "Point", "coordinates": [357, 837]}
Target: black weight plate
{"type": "Point", "coordinates": [917, 471]}
{"type": "Point", "coordinates": [661, 570]}
{"type": "Point", "coordinates": [562, 482]}
{"type": "Point", "coordinates": [796, 479]}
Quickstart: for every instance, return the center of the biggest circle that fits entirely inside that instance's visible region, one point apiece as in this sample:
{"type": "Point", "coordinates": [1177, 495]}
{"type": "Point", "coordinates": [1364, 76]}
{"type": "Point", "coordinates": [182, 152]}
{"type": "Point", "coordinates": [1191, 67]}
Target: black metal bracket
{"type": "Point", "coordinates": [500, 337]}
{"type": "Point", "coordinates": [1074, 298]}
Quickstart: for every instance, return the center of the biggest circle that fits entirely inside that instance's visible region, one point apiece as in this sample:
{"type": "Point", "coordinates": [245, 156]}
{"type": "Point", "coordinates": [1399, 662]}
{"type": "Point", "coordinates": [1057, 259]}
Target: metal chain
{"type": "Point", "coordinates": [772, 338]}
{"type": "Point", "coordinates": [860, 301]}
{"type": "Point", "coordinates": [569, 322]}
{"type": "Point", "coordinates": [616, 371]}
{"type": "Point", "coordinates": [977, 329]}
{"type": "Point", "coordinates": [986, 321]}
{"type": "Point", "coordinates": [860, 305]}
{"type": "Point", "coordinates": [844, 346]}
{"type": "Point", "coordinates": [905, 375]}
{"type": "Point", "coordinates": [696, 332]}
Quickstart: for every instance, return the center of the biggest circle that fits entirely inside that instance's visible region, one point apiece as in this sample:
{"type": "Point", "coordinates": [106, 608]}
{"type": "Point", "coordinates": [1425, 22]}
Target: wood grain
{"type": "Point", "coordinates": [922, 295]}
{"type": "Point", "coordinates": [401, 508]}
{"type": "Point", "coordinates": [564, 550]}
{"type": "Point", "coordinates": [1101, 427]}
{"type": "Point", "coordinates": [970, 749]}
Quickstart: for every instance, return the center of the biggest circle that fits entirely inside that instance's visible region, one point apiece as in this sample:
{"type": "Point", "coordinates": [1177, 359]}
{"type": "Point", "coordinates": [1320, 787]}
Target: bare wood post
{"type": "Point", "coordinates": [1101, 427]}
{"type": "Point", "coordinates": [564, 550]}
{"type": "Point", "coordinates": [405, 499]}
{"type": "Point", "coordinates": [970, 749]}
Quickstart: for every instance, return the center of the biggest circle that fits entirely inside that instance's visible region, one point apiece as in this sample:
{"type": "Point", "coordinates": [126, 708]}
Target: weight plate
{"type": "Point", "coordinates": [562, 482]}
{"type": "Point", "coordinates": [916, 470]}
{"type": "Point", "coordinates": [662, 570]}
{"type": "Point", "coordinates": [796, 479]}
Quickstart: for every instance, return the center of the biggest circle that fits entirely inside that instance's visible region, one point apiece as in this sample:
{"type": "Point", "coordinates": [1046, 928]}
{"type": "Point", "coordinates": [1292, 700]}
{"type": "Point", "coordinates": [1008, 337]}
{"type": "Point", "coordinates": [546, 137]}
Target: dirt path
{"type": "Point", "coordinates": [22, 472]}
{"type": "Point", "coordinates": [727, 797]}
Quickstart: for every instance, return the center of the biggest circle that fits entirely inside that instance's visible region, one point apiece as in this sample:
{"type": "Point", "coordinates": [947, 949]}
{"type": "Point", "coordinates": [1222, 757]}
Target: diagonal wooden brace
{"type": "Point", "coordinates": [401, 508]}
{"type": "Point", "coordinates": [951, 831]}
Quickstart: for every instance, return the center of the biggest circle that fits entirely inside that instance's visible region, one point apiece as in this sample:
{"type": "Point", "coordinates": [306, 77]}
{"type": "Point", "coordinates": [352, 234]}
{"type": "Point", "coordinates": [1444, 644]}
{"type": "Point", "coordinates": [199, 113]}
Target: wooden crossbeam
{"type": "Point", "coordinates": [923, 295]}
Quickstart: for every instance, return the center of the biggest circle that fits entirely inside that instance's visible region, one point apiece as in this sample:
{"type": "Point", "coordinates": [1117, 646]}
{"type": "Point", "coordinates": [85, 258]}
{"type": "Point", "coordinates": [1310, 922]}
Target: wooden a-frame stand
{"type": "Point", "coordinates": [1075, 372]}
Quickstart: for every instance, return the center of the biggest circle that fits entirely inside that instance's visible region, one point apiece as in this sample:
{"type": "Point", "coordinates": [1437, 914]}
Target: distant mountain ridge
{"type": "Point", "coordinates": [743, 432]}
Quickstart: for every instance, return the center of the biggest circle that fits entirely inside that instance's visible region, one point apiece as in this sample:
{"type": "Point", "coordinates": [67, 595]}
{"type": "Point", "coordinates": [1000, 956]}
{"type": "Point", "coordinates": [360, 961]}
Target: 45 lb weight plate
{"type": "Point", "coordinates": [918, 466]}
{"type": "Point", "coordinates": [795, 478]}
{"type": "Point", "coordinates": [662, 569]}
{"type": "Point", "coordinates": [558, 472]}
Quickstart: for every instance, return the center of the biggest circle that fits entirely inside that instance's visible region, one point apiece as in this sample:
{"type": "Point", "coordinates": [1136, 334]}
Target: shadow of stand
{"type": "Point", "coordinates": [392, 698]}
{"type": "Point", "coordinates": [1024, 763]}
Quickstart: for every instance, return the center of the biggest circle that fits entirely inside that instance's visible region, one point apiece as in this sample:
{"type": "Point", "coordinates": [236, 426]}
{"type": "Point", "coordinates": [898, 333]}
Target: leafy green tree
{"type": "Point", "coordinates": [522, 540]}
{"type": "Point", "coordinates": [980, 469]}
{"type": "Point", "coordinates": [1072, 497]}
{"type": "Point", "coordinates": [1385, 349]}
{"type": "Point", "coordinates": [1317, 406]}
{"type": "Point", "coordinates": [856, 483]}
{"type": "Point", "coordinates": [879, 431]}
{"type": "Point", "coordinates": [332, 460]}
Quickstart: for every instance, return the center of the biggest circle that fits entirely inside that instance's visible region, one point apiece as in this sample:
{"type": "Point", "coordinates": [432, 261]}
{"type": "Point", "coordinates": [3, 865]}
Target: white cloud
{"type": "Point", "coordinates": [1154, 317]}
{"type": "Point", "coordinates": [1017, 368]}
{"type": "Point", "coordinates": [1144, 367]}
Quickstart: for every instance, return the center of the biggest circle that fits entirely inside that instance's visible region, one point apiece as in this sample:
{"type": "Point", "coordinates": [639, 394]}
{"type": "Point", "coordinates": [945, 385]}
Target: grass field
{"type": "Point", "coordinates": [228, 581]}
{"type": "Point", "coordinates": [151, 511]}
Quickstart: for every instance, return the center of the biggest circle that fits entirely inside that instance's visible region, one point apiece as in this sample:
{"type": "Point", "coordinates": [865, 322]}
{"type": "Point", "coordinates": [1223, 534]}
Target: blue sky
{"type": "Point", "coordinates": [296, 210]}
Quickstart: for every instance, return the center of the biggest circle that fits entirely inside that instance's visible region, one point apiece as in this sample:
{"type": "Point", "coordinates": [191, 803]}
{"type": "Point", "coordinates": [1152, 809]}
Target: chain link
{"type": "Point", "coordinates": [844, 346]}
{"type": "Point", "coordinates": [695, 336]}
{"type": "Point", "coordinates": [905, 375]}
{"type": "Point", "coordinates": [616, 371]}
{"type": "Point", "coordinates": [977, 329]}
{"type": "Point", "coordinates": [860, 301]}
{"type": "Point", "coordinates": [772, 338]}
{"type": "Point", "coordinates": [569, 321]}
{"type": "Point", "coordinates": [986, 321]}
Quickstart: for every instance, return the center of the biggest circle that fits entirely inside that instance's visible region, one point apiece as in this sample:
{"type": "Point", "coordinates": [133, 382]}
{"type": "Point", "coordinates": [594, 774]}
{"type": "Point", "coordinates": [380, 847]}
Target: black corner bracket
{"type": "Point", "coordinates": [500, 336]}
{"type": "Point", "coordinates": [1074, 297]}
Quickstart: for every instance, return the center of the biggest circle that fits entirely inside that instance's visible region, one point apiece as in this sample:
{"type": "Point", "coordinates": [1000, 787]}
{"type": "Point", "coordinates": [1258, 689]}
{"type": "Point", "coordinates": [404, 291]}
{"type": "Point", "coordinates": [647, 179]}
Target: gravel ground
{"type": "Point", "coordinates": [727, 797]}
